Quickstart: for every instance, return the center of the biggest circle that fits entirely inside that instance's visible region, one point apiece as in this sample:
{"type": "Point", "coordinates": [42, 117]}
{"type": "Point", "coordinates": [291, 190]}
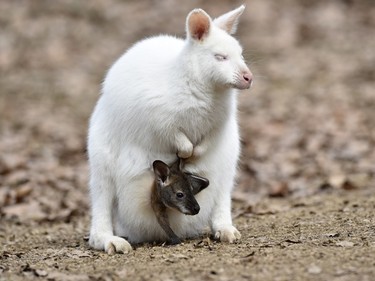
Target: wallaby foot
{"type": "Point", "coordinates": [117, 244]}
{"type": "Point", "coordinates": [227, 233]}
{"type": "Point", "coordinates": [110, 243]}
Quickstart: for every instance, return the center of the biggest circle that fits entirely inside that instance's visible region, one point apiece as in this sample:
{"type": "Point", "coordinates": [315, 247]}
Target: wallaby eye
{"type": "Point", "coordinates": [221, 57]}
{"type": "Point", "coordinates": [180, 195]}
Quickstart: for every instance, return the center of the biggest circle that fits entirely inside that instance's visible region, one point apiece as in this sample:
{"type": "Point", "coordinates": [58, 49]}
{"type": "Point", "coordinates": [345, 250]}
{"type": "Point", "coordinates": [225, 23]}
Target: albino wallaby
{"type": "Point", "coordinates": [167, 95]}
{"type": "Point", "coordinates": [174, 189]}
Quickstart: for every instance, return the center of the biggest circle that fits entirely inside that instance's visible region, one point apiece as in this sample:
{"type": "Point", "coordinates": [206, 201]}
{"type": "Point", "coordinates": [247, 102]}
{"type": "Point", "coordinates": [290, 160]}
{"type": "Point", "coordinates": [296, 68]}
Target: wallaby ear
{"type": "Point", "coordinates": [198, 24]}
{"type": "Point", "coordinates": [229, 21]}
{"type": "Point", "coordinates": [161, 170]}
{"type": "Point", "coordinates": [198, 183]}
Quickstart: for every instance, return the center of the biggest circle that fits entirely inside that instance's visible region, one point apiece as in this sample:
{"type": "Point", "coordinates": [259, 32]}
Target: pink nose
{"type": "Point", "coordinates": [248, 77]}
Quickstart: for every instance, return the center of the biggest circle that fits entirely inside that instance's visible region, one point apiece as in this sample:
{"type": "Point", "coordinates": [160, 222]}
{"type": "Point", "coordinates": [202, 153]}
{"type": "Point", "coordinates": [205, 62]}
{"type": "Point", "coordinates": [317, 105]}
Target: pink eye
{"type": "Point", "coordinates": [221, 57]}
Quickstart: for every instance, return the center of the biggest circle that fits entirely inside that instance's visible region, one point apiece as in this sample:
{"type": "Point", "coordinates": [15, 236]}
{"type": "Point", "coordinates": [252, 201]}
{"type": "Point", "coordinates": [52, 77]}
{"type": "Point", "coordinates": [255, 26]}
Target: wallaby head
{"type": "Point", "coordinates": [176, 189]}
{"type": "Point", "coordinates": [214, 53]}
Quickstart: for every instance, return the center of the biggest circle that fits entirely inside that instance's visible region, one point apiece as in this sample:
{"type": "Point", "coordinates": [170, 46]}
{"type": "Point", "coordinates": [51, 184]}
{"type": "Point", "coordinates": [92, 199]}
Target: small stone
{"type": "Point", "coordinates": [41, 273]}
{"type": "Point", "coordinates": [347, 244]}
{"type": "Point", "coordinates": [337, 181]}
{"type": "Point", "coordinates": [314, 269]}
{"type": "Point", "coordinates": [333, 235]}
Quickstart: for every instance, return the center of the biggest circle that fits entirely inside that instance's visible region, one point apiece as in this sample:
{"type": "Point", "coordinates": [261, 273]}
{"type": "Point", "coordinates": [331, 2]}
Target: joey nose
{"type": "Point", "coordinates": [196, 209]}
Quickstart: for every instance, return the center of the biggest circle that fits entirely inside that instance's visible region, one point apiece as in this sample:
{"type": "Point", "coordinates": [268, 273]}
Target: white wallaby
{"type": "Point", "coordinates": [165, 96]}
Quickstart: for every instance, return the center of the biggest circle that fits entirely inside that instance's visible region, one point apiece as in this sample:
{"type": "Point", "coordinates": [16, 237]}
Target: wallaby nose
{"type": "Point", "coordinates": [248, 77]}
{"type": "Point", "coordinates": [196, 209]}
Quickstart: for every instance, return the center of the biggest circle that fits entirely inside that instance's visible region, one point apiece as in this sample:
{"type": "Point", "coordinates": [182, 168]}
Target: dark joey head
{"type": "Point", "coordinates": [176, 189]}
{"type": "Point", "coordinates": [197, 183]}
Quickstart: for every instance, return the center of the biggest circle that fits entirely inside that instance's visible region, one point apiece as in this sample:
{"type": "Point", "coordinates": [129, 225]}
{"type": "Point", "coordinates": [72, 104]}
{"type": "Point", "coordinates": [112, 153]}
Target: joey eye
{"type": "Point", "coordinates": [221, 57]}
{"type": "Point", "coordinates": [180, 195]}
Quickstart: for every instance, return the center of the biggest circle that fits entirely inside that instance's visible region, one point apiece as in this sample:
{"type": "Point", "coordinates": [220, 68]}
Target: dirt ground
{"type": "Point", "coordinates": [305, 198]}
{"type": "Point", "coordinates": [323, 237]}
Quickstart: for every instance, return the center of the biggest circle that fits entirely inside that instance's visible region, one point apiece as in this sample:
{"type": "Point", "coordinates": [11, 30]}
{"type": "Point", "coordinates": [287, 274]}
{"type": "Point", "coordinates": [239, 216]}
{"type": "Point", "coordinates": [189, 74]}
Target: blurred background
{"type": "Point", "coordinates": [308, 124]}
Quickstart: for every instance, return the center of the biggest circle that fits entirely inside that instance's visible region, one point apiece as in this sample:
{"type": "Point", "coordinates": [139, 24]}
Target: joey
{"type": "Point", "coordinates": [174, 189]}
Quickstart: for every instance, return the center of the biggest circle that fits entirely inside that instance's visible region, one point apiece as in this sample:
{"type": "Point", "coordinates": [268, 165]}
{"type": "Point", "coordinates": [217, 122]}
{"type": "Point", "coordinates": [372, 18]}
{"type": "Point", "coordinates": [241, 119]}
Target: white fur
{"type": "Point", "coordinates": [165, 95]}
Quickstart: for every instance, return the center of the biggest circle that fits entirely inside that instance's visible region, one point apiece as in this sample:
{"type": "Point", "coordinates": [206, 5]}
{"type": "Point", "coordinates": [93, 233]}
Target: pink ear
{"type": "Point", "coordinates": [198, 24]}
{"type": "Point", "coordinates": [229, 21]}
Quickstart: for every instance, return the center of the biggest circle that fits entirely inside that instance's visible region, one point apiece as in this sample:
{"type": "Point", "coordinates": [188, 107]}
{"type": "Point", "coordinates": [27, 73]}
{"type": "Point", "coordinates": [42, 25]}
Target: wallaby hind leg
{"type": "Point", "coordinates": [101, 233]}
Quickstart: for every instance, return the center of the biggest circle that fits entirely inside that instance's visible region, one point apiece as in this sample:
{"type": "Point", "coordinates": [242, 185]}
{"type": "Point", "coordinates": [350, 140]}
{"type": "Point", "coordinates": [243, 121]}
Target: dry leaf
{"type": "Point", "coordinates": [22, 192]}
{"type": "Point", "coordinates": [337, 181]}
{"type": "Point", "coordinates": [11, 162]}
{"type": "Point", "coordinates": [79, 254]}
{"type": "Point", "coordinates": [266, 208]}
{"type": "Point", "coordinates": [280, 189]}
{"type": "Point", "coordinates": [25, 212]}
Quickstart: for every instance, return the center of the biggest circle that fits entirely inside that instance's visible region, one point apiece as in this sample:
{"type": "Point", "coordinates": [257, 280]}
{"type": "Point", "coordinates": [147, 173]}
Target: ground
{"type": "Point", "coordinates": [305, 196]}
{"type": "Point", "coordinates": [323, 237]}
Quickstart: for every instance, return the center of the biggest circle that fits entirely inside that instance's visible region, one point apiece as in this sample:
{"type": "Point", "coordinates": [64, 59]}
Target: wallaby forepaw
{"type": "Point", "coordinates": [228, 234]}
{"type": "Point", "coordinates": [183, 145]}
{"type": "Point", "coordinates": [117, 245]}
{"type": "Point", "coordinates": [198, 151]}
{"type": "Point", "coordinates": [184, 154]}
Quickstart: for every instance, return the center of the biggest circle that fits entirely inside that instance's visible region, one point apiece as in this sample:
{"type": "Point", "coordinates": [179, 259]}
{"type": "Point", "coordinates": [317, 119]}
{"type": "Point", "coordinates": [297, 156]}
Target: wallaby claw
{"type": "Point", "coordinates": [228, 234]}
{"type": "Point", "coordinates": [117, 245]}
{"type": "Point", "coordinates": [184, 154]}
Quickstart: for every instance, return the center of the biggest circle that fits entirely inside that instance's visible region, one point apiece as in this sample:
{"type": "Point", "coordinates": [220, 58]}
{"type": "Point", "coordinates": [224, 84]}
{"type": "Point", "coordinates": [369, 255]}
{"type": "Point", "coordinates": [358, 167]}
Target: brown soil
{"type": "Point", "coordinates": [323, 237]}
{"type": "Point", "coordinates": [306, 191]}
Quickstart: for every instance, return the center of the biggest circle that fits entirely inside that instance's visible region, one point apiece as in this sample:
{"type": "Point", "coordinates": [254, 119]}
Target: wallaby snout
{"type": "Point", "coordinates": [193, 209]}
{"type": "Point", "coordinates": [188, 205]}
{"type": "Point", "coordinates": [245, 80]}
{"type": "Point", "coordinates": [248, 77]}
{"type": "Point", "coordinates": [196, 209]}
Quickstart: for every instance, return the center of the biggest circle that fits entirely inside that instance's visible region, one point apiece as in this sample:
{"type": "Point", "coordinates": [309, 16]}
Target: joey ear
{"type": "Point", "coordinates": [161, 170]}
{"type": "Point", "coordinates": [198, 183]}
{"type": "Point", "coordinates": [178, 165]}
{"type": "Point", "coordinates": [229, 21]}
{"type": "Point", "coordinates": [198, 24]}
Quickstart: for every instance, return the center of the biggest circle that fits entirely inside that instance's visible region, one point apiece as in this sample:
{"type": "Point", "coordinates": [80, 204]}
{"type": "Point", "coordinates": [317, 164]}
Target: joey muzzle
{"type": "Point", "coordinates": [193, 208]}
